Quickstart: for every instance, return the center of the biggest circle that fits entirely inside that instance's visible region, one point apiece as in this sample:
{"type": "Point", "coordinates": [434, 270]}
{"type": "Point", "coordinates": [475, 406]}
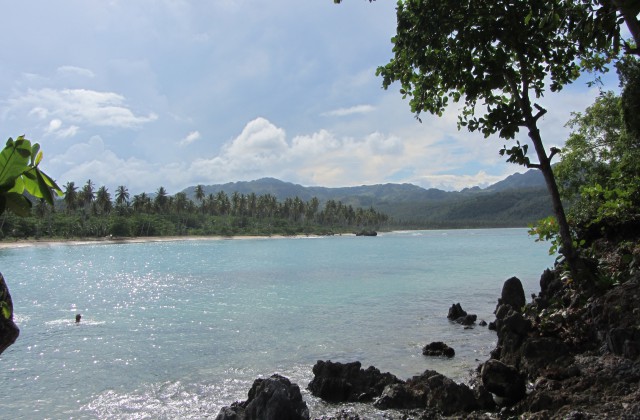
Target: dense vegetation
{"type": "Point", "coordinates": [90, 212]}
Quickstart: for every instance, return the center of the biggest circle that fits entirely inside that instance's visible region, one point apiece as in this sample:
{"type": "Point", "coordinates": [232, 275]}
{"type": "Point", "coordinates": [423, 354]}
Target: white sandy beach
{"type": "Point", "coordinates": [113, 240]}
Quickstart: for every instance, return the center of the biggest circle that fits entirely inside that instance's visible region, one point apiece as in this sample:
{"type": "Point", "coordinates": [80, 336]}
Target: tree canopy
{"type": "Point", "coordinates": [498, 59]}
{"type": "Point", "coordinates": [600, 168]}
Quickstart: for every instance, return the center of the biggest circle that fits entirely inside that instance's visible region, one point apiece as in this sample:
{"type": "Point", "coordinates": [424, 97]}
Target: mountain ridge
{"type": "Point", "coordinates": [518, 200]}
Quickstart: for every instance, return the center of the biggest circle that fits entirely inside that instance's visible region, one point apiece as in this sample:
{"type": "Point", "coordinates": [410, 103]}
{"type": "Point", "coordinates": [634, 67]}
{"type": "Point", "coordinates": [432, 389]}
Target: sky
{"type": "Point", "coordinates": [177, 93]}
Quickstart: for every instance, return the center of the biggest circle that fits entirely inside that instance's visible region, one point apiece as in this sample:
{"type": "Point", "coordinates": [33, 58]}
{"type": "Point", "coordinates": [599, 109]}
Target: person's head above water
{"type": "Point", "coordinates": [78, 316]}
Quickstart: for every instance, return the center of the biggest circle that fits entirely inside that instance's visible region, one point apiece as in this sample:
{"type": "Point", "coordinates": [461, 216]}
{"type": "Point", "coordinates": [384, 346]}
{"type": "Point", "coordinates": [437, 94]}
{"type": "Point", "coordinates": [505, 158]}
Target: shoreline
{"type": "Point", "coordinates": [30, 243]}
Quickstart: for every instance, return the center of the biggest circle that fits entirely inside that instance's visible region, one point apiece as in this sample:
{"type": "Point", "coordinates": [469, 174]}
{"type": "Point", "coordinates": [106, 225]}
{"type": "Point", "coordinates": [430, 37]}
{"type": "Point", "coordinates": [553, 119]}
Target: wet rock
{"type": "Point", "coordinates": [456, 312]}
{"type": "Point", "coordinates": [482, 323]}
{"type": "Point", "coordinates": [438, 348]}
{"type": "Point", "coordinates": [459, 315]}
{"type": "Point", "coordinates": [274, 398]}
{"type": "Point", "coordinates": [399, 396]}
{"type": "Point", "coordinates": [8, 329]}
{"type": "Point", "coordinates": [430, 390]}
{"type": "Point", "coordinates": [503, 381]}
{"type": "Point", "coordinates": [347, 382]}
{"type": "Point", "coordinates": [442, 393]}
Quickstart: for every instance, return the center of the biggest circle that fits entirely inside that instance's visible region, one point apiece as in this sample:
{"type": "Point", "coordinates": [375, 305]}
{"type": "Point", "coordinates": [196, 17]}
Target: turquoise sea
{"type": "Point", "coordinates": [179, 329]}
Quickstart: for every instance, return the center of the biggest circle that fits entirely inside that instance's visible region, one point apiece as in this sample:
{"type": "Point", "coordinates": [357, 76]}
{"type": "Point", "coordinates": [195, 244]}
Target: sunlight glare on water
{"type": "Point", "coordinates": [180, 329]}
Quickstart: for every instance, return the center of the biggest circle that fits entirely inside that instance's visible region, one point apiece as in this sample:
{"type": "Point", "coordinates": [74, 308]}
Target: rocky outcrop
{"type": "Point", "coordinates": [348, 382]}
{"type": "Point", "coordinates": [367, 233]}
{"type": "Point", "coordinates": [438, 348]}
{"type": "Point", "coordinates": [274, 398]}
{"type": "Point", "coordinates": [513, 294]}
{"type": "Point", "coordinates": [432, 391]}
{"type": "Point", "coordinates": [459, 315]}
{"type": "Point", "coordinates": [8, 329]}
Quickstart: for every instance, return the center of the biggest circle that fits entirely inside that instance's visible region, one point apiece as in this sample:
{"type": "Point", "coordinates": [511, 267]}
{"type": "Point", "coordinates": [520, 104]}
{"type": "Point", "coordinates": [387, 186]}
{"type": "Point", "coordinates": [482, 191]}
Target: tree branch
{"type": "Point", "coordinates": [541, 112]}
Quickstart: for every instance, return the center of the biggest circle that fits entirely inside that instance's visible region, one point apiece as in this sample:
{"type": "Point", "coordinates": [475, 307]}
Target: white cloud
{"type": "Point", "coordinates": [190, 138]}
{"type": "Point", "coordinates": [75, 71]}
{"type": "Point", "coordinates": [459, 182]}
{"type": "Point", "coordinates": [55, 128]}
{"type": "Point", "coordinates": [81, 106]}
{"type": "Point", "coordinates": [343, 112]}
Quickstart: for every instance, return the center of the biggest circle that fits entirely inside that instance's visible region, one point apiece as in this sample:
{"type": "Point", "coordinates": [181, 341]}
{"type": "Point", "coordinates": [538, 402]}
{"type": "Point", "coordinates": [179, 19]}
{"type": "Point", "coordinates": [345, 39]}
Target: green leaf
{"type": "Point", "coordinates": [18, 203]}
{"type": "Point", "coordinates": [6, 311]}
{"type": "Point", "coordinates": [527, 19]}
{"type": "Point", "coordinates": [36, 154]}
{"type": "Point", "coordinates": [45, 192]}
{"type": "Point", "coordinates": [13, 161]}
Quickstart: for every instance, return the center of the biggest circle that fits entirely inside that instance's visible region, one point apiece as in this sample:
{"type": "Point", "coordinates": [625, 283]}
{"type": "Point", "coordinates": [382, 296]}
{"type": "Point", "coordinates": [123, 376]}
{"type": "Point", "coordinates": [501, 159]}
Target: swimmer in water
{"type": "Point", "coordinates": [78, 317]}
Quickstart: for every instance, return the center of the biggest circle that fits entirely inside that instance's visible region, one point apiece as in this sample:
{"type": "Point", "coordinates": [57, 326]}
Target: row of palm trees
{"type": "Point", "coordinates": [91, 201]}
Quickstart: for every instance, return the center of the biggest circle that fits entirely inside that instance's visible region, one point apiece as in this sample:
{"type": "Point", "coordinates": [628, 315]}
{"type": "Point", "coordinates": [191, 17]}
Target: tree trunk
{"type": "Point", "coordinates": [628, 10]}
{"type": "Point", "coordinates": [558, 209]}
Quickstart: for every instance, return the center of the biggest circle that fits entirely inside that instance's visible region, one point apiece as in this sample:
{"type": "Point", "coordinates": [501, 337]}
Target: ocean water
{"type": "Point", "coordinates": [180, 329]}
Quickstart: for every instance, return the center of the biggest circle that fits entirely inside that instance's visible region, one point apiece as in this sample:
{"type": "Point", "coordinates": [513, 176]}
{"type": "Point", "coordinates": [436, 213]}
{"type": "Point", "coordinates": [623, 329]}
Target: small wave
{"type": "Point", "coordinates": [57, 322]}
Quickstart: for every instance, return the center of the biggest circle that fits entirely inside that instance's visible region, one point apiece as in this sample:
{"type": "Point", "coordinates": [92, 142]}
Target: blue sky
{"type": "Point", "coordinates": [176, 93]}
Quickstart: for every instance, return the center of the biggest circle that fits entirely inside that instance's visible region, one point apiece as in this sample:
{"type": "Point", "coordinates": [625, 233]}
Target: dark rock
{"type": "Point", "coordinates": [492, 326]}
{"type": "Point", "coordinates": [443, 393]}
{"type": "Point", "coordinates": [482, 323]}
{"type": "Point", "coordinates": [459, 315]}
{"type": "Point", "coordinates": [469, 319]}
{"type": "Point", "coordinates": [456, 312]}
{"type": "Point", "coordinates": [347, 382]}
{"type": "Point", "coordinates": [438, 348]}
{"type": "Point", "coordinates": [504, 381]}
{"type": "Point", "coordinates": [513, 294]}
{"type": "Point", "coordinates": [367, 233]}
{"type": "Point", "coordinates": [516, 323]}
{"type": "Point", "coordinates": [275, 398]}
{"type": "Point", "coordinates": [8, 329]}
{"type": "Point", "coordinates": [624, 341]}
{"type": "Point", "coordinates": [543, 352]}
{"type": "Point", "coordinates": [399, 396]}
{"type": "Point", "coordinates": [430, 390]}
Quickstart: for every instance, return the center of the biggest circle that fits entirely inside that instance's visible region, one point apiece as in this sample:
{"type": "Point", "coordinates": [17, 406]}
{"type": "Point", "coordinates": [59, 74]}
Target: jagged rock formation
{"type": "Point", "coordinates": [274, 398]}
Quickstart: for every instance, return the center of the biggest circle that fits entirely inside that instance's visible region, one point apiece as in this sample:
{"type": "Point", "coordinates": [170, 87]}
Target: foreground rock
{"type": "Point", "coordinates": [438, 348]}
{"type": "Point", "coordinates": [348, 382]}
{"type": "Point", "coordinates": [8, 329]}
{"type": "Point", "coordinates": [274, 398]}
{"type": "Point", "coordinates": [503, 381]}
{"type": "Point", "coordinates": [576, 344]}
{"type": "Point", "coordinates": [431, 390]}
{"type": "Point", "coordinates": [431, 394]}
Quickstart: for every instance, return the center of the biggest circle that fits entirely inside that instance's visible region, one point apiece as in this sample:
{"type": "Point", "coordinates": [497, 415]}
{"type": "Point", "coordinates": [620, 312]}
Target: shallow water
{"type": "Point", "coordinates": [180, 329]}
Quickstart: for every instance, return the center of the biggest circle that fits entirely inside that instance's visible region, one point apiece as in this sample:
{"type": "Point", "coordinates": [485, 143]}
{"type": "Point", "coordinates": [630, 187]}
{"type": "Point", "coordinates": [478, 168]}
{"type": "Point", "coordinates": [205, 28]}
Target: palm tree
{"type": "Point", "coordinates": [200, 195]}
{"type": "Point", "coordinates": [141, 202]}
{"type": "Point", "coordinates": [122, 195]}
{"type": "Point", "coordinates": [71, 197]}
{"type": "Point", "coordinates": [87, 194]}
{"type": "Point", "coordinates": [162, 199]}
{"type": "Point", "coordinates": [180, 202]}
{"type": "Point", "coordinates": [103, 201]}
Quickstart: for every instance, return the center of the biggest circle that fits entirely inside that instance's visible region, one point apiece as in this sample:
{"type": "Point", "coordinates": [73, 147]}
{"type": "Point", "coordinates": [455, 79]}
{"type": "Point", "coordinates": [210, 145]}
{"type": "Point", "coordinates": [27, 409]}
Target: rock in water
{"type": "Point", "coordinates": [456, 312]}
{"type": "Point", "coordinates": [438, 348]}
{"type": "Point", "coordinates": [8, 329]}
{"type": "Point", "coordinates": [274, 398]}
